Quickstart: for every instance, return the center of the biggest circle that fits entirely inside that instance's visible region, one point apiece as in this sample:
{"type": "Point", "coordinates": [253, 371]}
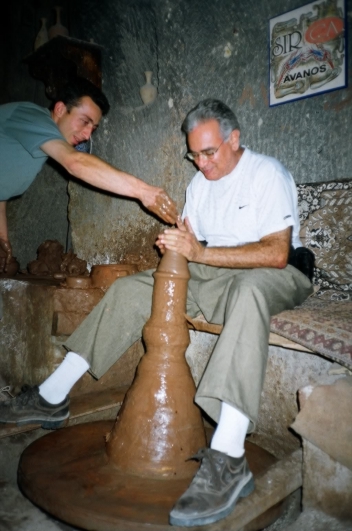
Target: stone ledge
{"type": "Point", "coordinates": [201, 325]}
{"type": "Point", "coordinates": [81, 406]}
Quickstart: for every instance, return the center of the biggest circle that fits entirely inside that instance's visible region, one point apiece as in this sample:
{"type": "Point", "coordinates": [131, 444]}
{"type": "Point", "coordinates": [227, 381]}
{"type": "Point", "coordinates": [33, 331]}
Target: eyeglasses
{"type": "Point", "coordinates": [207, 153]}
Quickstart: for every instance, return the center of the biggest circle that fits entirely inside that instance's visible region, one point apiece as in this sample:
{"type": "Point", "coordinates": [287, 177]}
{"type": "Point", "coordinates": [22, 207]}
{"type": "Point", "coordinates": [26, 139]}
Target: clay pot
{"type": "Point", "coordinates": [78, 282]}
{"type": "Point", "coordinates": [12, 268]}
{"type": "Point", "coordinates": [148, 92]}
{"type": "Point", "coordinates": [58, 28]}
{"type": "Point", "coordinates": [42, 36]}
{"type": "Point", "coordinates": [102, 276]}
{"type": "Point", "coordinates": [159, 426]}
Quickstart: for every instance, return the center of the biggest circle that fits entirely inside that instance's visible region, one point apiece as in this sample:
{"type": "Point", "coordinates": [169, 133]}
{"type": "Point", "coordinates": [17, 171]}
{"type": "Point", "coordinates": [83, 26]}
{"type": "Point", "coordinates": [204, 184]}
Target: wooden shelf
{"type": "Point", "coordinates": [63, 58]}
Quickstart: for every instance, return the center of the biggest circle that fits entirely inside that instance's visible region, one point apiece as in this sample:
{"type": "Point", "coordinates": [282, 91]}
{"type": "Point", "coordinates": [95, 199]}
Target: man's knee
{"type": "Point", "coordinates": [247, 293]}
{"type": "Point", "coordinates": [132, 285]}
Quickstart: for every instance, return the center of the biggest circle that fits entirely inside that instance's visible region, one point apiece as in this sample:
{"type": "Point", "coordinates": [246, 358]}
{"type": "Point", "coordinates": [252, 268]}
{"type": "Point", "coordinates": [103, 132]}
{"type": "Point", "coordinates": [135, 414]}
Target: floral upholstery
{"type": "Point", "coordinates": [326, 228]}
{"type": "Point", "coordinates": [323, 326]}
{"type": "Point", "coordinates": [324, 322]}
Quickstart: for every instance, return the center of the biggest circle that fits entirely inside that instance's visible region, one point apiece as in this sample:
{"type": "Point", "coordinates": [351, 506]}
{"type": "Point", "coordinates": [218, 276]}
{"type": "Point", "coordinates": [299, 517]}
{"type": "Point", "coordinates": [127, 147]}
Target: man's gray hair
{"type": "Point", "coordinates": [211, 109]}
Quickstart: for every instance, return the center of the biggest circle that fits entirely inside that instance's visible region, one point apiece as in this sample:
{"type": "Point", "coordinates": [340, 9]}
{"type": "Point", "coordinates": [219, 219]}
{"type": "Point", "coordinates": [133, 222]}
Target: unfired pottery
{"type": "Point", "coordinates": [102, 276]}
{"type": "Point", "coordinates": [58, 28]}
{"type": "Point", "coordinates": [78, 282]}
{"type": "Point", "coordinates": [12, 268]}
{"type": "Point", "coordinates": [148, 92]}
{"type": "Point", "coordinates": [42, 36]}
{"type": "Point", "coordinates": [52, 261]}
{"type": "Point", "coordinates": [159, 427]}
{"type": "Point", "coordinates": [133, 480]}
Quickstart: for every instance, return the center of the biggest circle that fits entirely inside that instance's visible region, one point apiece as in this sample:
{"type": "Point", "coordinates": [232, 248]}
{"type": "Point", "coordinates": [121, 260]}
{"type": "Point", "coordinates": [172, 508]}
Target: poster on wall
{"type": "Point", "coordinates": [307, 51]}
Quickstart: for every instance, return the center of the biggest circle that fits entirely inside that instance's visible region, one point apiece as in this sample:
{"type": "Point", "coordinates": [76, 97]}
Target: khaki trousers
{"type": "Point", "coordinates": [243, 300]}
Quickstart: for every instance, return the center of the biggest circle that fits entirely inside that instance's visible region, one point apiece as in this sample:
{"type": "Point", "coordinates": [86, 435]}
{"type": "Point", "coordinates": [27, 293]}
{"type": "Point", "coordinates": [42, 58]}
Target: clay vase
{"type": "Point", "coordinates": [80, 282]}
{"type": "Point", "coordinates": [159, 427]}
{"type": "Point", "coordinates": [102, 276]}
{"type": "Point", "coordinates": [42, 36]}
{"type": "Point", "coordinates": [58, 28]}
{"type": "Point", "coordinates": [148, 92]}
{"type": "Point", "coordinates": [12, 268]}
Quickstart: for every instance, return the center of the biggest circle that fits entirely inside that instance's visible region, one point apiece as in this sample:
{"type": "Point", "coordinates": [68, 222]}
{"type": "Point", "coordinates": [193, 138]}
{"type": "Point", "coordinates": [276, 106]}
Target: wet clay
{"type": "Point", "coordinates": [77, 282]}
{"type": "Point", "coordinates": [12, 267]}
{"type": "Point", "coordinates": [159, 426]}
{"type": "Point", "coordinates": [52, 260]}
{"type": "Point", "coordinates": [130, 481]}
{"type": "Point", "coordinates": [67, 473]}
{"type": "Point", "coordinates": [102, 276]}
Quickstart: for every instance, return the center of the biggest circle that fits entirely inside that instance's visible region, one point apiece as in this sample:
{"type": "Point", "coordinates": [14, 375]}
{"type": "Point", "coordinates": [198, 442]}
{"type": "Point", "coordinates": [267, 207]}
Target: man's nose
{"type": "Point", "coordinates": [87, 131]}
{"type": "Point", "coordinates": [201, 160]}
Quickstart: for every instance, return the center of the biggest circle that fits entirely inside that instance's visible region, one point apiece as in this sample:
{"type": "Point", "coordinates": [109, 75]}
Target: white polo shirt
{"type": "Point", "coordinates": [256, 199]}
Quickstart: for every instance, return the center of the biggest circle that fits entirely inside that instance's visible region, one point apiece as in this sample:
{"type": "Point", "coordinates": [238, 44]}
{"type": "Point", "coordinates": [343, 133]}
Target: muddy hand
{"type": "Point", "coordinates": [182, 240]}
{"type": "Point", "coordinates": [157, 201]}
{"type": "Point", "coordinates": [5, 255]}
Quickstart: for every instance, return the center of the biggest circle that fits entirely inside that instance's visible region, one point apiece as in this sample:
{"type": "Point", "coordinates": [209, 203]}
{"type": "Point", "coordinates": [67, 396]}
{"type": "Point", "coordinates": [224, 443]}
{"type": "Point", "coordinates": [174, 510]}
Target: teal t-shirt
{"type": "Point", "coordinates": [24, 127]}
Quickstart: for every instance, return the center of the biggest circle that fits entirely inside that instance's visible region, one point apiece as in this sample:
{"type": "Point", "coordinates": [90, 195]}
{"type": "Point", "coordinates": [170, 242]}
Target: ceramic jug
{"type": "Point", "coordinates": [42, 36]}
{"type": "Point", "coordinates": [148, 92]}
{"type": "Point", "coordinates": [58, 28]}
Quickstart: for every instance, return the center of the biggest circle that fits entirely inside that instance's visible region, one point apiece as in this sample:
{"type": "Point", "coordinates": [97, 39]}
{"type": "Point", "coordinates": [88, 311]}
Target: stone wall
{"type": "Point", "coordinates": [42, 212]}
{"type": "Point", "coordinates": [195, 50]}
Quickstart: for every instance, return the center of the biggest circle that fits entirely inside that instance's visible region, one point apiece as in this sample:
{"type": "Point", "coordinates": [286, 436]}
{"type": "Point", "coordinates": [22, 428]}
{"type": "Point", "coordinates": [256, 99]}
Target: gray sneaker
{"type": "Point", "coordinates": [31, 408]}
{"type": "Point", "coordinates": [214, 490]}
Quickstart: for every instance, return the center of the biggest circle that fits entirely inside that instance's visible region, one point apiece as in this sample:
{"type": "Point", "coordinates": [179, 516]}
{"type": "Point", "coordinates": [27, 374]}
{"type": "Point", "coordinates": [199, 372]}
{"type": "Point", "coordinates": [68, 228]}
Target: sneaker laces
{"type": "Point", "coordinates": [27, 394]}
{"type": "Point", "coordinates": [6, 389]}
{"type": "Point", "coordinates": [210, 468]}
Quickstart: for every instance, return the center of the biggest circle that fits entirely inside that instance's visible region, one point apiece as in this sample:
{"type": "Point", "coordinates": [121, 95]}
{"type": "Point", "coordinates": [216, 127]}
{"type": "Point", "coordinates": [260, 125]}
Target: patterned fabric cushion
{"type": "Point", "coordinates": [326, 228]}
{"type": "Point", "coordinates": [324, 322]}
{"type": "Point", "coordinates": [323, 326]}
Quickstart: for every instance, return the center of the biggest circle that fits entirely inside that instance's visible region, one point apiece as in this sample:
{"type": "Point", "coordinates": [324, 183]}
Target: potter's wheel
{"type": "Point", "coordinates": [130, 481]}
{"type": "Point", "coordinates": [67, 474]}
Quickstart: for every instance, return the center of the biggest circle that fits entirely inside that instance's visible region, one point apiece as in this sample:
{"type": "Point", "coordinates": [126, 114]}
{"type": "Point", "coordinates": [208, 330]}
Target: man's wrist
{"type": "Point", "coordinates": [201, 254]}
{"type": "Point", "coordinates": [141, 188]}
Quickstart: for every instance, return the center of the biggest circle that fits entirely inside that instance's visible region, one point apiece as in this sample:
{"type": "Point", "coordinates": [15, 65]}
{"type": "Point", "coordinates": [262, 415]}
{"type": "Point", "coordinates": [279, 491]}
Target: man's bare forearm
{"type": "Point", "coordinates": [5, 245]}
{"type": "Point", "coordinates": [95, 171]}
{"type": "Point", "coordinates": [271, 253]}
{"type": "Point", "coordinates": [99, 173]}
{"type": "Point", "coordinates": [3, 221]}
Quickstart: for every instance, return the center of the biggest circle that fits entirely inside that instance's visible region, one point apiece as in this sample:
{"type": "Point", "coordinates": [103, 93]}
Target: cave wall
{"type": "Point", "coordinates": [41, 213]}
{"type": "Point", "coordinates": [196, 49]}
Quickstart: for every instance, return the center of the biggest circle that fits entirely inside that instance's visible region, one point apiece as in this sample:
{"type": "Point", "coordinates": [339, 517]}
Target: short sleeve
{"type": "Point", "coordinates": [190, 209]}
{"type": "Point", "coordinates": [275, 200]}
{"type": "Point", "coordinates": [32, 126]}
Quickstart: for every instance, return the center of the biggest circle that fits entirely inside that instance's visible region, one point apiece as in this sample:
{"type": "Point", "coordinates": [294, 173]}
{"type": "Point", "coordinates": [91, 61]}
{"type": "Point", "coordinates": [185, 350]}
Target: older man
{"type": "Point", "coordinates": [29, 134]}
{"type": "Point", "coordinates": [239, 222]}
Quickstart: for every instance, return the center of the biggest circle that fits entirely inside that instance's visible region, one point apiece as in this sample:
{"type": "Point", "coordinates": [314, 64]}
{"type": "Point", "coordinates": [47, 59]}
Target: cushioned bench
{"type": "Point", "coordinates": [323, 324]}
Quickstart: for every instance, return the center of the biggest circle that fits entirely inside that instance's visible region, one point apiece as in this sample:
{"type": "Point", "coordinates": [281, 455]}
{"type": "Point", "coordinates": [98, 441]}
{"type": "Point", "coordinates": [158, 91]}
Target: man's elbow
{"type": "Point", "coordinates": [281, 264]}
{"type": "Point", "coordinates": [281, 260]}
{"type": "Point", "coordinates": [278, 257]}
{"type": "Point", "coordinates": [75, 164]}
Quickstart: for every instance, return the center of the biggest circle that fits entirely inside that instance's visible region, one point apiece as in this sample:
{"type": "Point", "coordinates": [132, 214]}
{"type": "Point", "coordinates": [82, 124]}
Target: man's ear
{"type": "Point", "coordinates": [234, 139]}
{"type": "Point", "coordinates": [59, 109]}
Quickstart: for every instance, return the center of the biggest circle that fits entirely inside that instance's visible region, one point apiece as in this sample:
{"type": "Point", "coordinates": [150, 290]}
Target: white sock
{"type": "Point", "coordinates": [55, 388]}
{"type": "Point", "coordinates": [231, 431]}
